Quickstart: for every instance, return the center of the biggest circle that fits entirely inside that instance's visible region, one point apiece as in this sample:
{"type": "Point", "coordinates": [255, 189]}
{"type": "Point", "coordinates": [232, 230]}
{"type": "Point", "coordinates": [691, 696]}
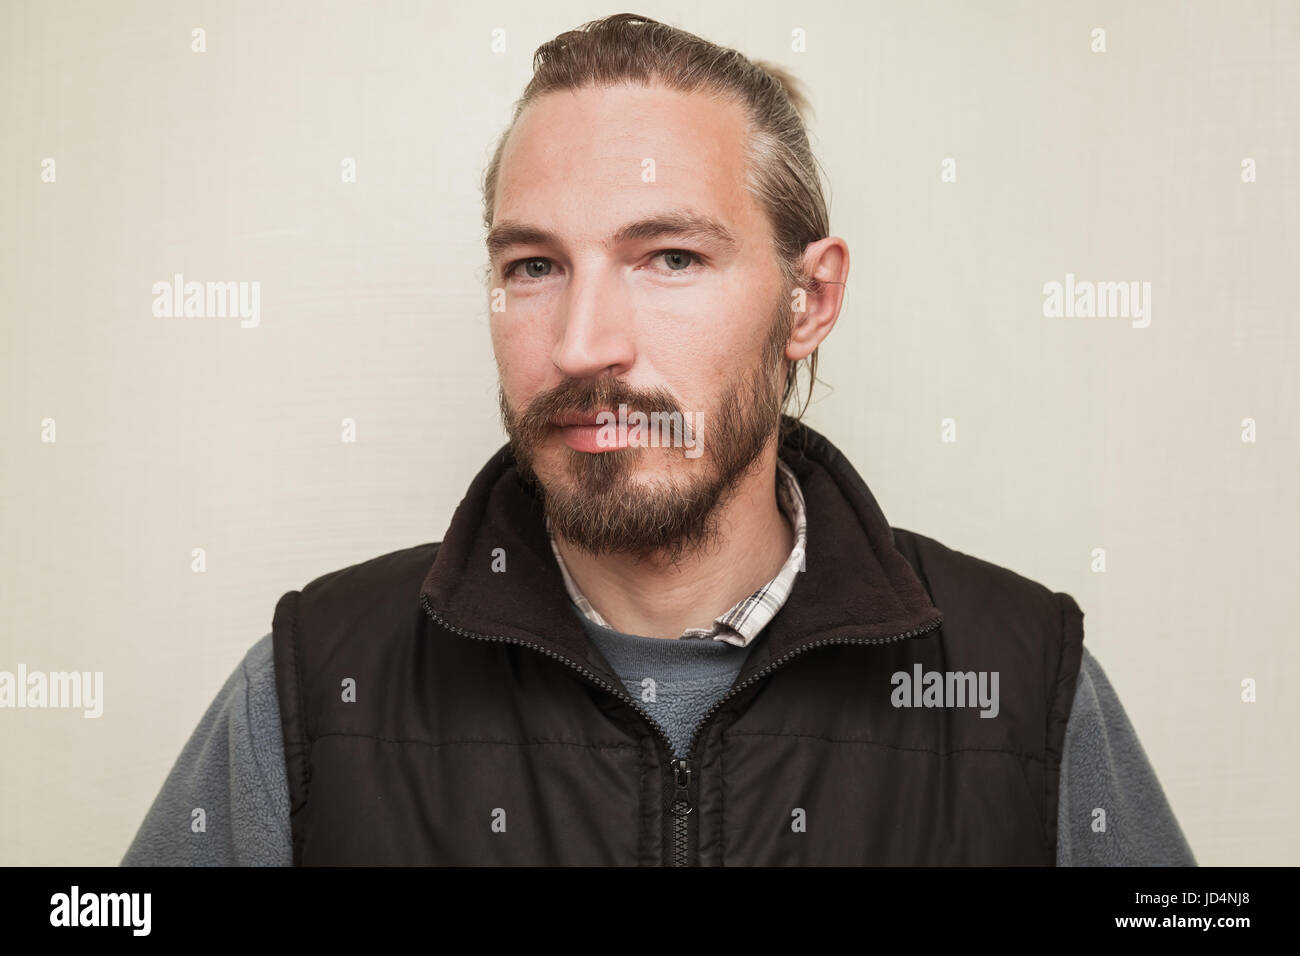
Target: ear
{"type": "Point", "coordinates": [826, 261]}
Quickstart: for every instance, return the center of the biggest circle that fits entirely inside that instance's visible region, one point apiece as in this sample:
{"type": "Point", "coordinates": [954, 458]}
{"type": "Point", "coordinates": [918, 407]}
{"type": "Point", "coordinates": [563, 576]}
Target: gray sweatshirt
{"type": "Point", "coordinates": [233, 765]}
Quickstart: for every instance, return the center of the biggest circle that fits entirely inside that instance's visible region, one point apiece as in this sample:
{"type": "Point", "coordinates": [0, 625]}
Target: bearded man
{"type": "Point", "coordinates": [710, 648]}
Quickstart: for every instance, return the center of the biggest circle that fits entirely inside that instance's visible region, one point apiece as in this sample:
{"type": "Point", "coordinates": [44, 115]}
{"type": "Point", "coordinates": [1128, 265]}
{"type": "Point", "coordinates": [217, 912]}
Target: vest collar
{"type": "Point", "coordinates": [857, 586]}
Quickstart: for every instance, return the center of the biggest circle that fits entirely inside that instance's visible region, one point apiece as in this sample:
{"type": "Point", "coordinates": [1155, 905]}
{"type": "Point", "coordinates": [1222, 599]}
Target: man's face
{"type": "Point", "coordinates": [661, 317]}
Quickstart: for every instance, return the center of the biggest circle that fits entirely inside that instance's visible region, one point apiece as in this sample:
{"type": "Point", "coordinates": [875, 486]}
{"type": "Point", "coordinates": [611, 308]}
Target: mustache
{"type": "Point", "coordinates": [531, 423]}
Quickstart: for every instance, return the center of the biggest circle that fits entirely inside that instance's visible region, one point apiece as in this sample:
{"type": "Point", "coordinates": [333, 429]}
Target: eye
{"type": "Point", "coordinates": [530, 265]}
{"type": "Point", "coordinates": [539, 267]}
{"type": "Point", "coordinates": [678, 260]}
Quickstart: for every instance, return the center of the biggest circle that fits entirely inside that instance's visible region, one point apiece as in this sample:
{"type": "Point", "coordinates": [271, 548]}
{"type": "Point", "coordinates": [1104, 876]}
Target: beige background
{"type": "Point", "coordinates": [1073, 434]}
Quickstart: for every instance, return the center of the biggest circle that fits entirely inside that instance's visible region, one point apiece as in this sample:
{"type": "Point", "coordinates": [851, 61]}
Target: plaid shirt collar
{"type": "Point", "coordinates": [750, 615]}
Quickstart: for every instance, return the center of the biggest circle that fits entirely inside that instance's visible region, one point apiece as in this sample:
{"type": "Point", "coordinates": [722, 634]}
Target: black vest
{"type": "Point", "coordinates": [439, 710]}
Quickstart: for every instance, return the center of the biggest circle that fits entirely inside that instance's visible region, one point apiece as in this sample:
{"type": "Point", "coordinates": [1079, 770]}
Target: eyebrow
{"type": "Point", "coordinates": [682, 224]}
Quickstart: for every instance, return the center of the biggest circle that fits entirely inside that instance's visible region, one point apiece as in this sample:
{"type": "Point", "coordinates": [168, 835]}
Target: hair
{"type": "Point", "coordinates": [783, 173]}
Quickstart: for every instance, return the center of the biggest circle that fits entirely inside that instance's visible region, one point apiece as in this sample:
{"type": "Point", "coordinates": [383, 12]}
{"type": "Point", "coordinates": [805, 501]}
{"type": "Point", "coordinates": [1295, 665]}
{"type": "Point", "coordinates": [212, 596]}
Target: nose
{"type": "Point", "coordinates": [596, 326]}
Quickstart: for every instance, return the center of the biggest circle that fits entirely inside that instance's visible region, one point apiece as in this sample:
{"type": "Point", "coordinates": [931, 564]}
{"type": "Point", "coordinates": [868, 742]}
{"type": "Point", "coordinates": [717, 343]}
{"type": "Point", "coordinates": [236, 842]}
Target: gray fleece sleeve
{"type": "Point", "coordinates": [233, 768]}
{"type": "Point", "coordinates": [1104, 766]}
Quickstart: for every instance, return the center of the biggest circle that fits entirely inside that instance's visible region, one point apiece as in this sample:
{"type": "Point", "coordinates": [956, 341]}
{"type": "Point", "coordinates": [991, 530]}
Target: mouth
{"type": "Point", "coordinates": [568, 419]}
{"type": "Point", "coordinates": [582, 432]}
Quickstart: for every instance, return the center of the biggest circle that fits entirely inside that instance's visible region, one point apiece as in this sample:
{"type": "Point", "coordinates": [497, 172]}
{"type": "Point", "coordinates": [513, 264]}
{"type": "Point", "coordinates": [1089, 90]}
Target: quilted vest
{"type": "Point", "coordinates": [442, 705]}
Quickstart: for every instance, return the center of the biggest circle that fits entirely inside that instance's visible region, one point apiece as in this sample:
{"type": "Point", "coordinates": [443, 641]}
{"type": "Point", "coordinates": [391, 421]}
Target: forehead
{"type": "Point", "coordinates": [576, 160]}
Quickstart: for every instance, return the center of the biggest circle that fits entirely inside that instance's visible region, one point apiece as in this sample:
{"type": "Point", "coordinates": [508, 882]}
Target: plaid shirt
{"type": "Point", "coordinates": [750, 615]}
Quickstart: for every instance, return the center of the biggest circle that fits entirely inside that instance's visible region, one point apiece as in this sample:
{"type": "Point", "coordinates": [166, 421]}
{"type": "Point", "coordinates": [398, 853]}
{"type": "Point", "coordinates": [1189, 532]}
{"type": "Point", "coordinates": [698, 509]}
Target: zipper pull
{"type": "Point", "coordinates": [682, 778]}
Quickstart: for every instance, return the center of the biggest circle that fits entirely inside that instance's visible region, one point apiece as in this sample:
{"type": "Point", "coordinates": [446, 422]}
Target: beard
{"type": "Point", "coordinates": [599, 505]}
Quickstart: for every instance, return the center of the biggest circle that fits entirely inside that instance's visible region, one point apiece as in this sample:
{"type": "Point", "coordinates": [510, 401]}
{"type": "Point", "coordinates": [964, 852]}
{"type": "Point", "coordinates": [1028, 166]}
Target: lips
{"type": "Point", "coordinates": [580, 418]}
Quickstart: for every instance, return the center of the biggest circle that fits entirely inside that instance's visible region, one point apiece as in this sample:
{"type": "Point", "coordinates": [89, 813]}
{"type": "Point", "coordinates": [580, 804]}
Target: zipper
{"type": "Point", "coordinates": [682, 766]}
{"type": "Point", "coordinates": [681, 807]}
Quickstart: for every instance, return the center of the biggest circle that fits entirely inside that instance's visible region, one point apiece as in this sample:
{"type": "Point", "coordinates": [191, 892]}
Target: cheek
{"type": "Point", "coordinates": [523, 356]}
{"type": "Point", "coordinates": [701, 344]}
{"type": "Point", "coordinates": [713, 332]}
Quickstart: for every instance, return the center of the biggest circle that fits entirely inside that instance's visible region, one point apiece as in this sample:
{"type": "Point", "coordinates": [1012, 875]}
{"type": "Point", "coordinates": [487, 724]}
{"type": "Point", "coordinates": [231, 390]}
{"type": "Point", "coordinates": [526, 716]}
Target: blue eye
{"type": "Point", "coordinates": [528, 264]}
{"type": "Point", "coordinates": [677, 254]}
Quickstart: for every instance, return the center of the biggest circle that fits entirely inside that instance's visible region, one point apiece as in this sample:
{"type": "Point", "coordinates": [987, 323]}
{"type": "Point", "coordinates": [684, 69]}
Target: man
{"type": "Point", "coordinates": [690, 642]}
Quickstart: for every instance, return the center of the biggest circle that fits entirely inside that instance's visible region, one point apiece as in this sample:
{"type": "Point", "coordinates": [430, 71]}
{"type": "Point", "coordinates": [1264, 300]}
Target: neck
{"type": "Point", "coordinates": [656, 598]}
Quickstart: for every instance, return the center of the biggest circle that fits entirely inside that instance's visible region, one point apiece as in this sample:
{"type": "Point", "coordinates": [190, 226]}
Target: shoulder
{"type": "Point", "coordinates": [995, 613]}
{"type": "Point", "coordinates": [386, 581]}
{"type": "Point", "coordinates": [383, 571]}
{"type": "Point", "coordinates": [959, 578]}
{"type": "Point", "coordinates": [364, 617]}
